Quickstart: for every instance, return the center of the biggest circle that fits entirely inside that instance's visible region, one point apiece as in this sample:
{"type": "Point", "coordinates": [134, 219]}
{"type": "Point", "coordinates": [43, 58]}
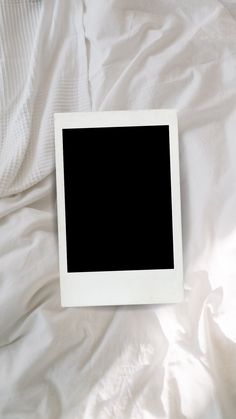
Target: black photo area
{"type": "Point", "coordinates": [118, 198]}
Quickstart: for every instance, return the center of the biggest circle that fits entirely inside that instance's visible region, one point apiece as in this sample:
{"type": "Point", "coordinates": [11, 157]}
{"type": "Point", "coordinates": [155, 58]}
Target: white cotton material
{"type": "Point", "coordinates": [148, 362]}
{"type": "Point", "coordinates": [43, 71]}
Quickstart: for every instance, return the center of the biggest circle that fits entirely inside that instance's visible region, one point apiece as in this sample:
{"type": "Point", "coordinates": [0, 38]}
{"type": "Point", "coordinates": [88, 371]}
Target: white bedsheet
{"type": "Point", "coordinates": [164, 361]}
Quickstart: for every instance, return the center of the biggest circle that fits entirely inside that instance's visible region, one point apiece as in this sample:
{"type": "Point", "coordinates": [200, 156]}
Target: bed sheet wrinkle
{"type": "Point", "coordinates": [40, 75]}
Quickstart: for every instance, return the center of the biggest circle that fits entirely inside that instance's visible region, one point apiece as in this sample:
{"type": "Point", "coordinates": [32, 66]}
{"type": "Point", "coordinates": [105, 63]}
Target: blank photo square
{"type": "Point", "coordinates": [118, 198]}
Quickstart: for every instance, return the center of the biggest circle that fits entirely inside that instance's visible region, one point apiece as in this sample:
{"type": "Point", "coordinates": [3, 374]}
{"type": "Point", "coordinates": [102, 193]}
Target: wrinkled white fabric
{"type": "Point", "coordinates": [43, 71]}
{"type": "Point", "coordinates": [163, 361]}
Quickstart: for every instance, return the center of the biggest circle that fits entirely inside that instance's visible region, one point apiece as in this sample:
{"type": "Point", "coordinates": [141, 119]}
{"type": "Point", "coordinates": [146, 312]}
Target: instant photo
{"type": "Point", "coordinates": [118, 198]}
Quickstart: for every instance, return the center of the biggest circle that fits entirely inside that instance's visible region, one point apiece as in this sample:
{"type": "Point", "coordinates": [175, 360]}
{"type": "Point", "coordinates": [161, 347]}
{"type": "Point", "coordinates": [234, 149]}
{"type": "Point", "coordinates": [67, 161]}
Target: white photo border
{"type": "Point", "coordinates": [120, 287]}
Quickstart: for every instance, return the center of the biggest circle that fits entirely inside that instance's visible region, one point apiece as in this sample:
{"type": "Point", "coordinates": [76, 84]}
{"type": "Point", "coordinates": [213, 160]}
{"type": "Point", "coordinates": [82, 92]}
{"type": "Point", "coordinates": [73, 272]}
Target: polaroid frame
{"type": "Point", "coordinates": [120, 287]}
